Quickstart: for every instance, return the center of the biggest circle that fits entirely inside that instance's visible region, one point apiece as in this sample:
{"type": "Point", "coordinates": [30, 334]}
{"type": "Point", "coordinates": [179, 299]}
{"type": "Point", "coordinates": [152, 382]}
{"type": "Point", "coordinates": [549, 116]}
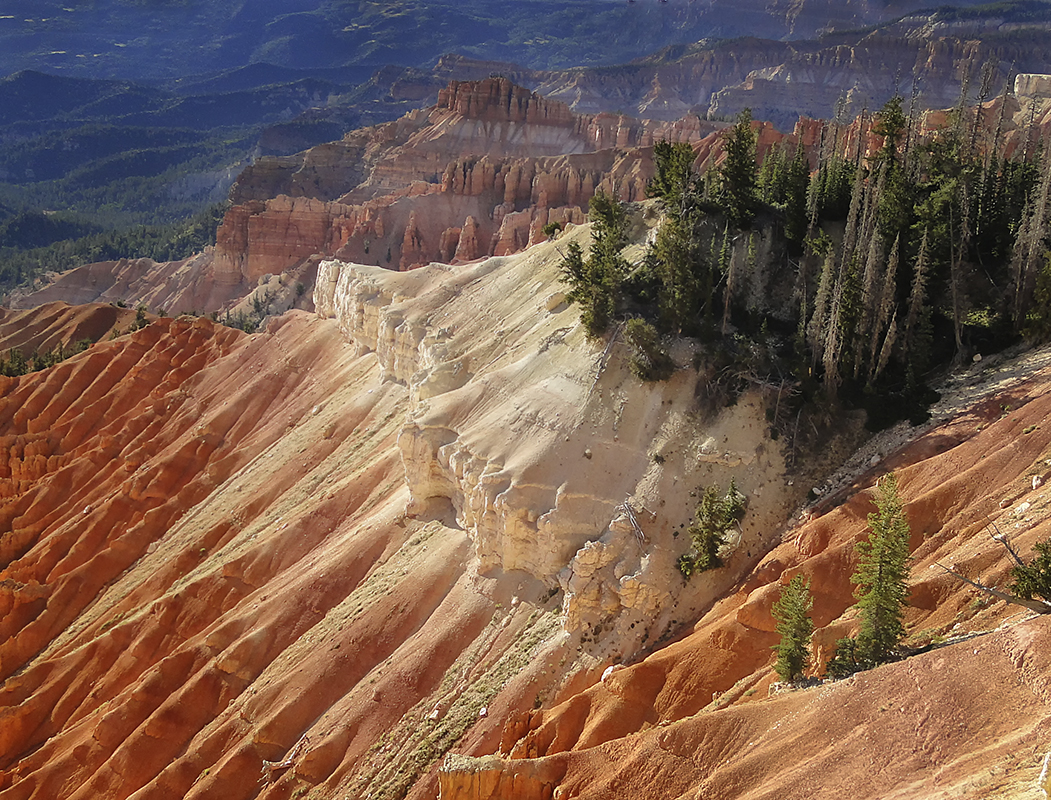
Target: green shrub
{"type": "Point", "coordinates": [715, 516]}
{"type": "Point", "coordinates": [649, 360]}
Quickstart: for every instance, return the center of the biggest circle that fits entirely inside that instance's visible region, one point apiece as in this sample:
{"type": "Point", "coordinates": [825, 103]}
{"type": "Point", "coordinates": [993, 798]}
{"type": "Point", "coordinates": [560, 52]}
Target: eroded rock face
{"type": "Point", "coordinates": [537, 482]}
{"type": "Point", "coordinates": [677, 719]}
{"type": "Point", "coordinates": [207, 564]}
{"type": "Point", "coordinates": [503, 161]}
{"type": "Point", "coordinates": [491, 777]}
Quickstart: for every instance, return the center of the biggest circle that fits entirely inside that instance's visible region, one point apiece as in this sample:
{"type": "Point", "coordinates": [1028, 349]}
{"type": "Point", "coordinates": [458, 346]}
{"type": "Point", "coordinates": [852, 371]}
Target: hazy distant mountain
{"type": "Point", "coordinates": [165, 39]}
{"type": "Point", "coordinates": [144, 111]}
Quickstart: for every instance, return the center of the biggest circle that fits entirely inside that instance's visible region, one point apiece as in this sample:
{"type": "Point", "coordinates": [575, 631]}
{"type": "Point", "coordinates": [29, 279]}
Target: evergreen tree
{"type": "Point", "coordinates": [916, 345]}
{"type": "Point", "coordinates": [1030, 244]}
{"type": "Point", "coordinates": [739, 173]}
{"type": "Point", "coordinates": [676, 257]}
{"type": "Point", "coordinates": [716, 514]}
{"type": "Point", "coordinates": [797, 189]}
{"type": "Point", "coordinates": [816, 330]}
{"type": "Point", "coordinates": [833, 187]}
{"type": "Point", "coordinates": [649, 360]}
{"type": "Point", "coordinates": [882, 574]}
{"type": "Point", "coordinates": [891, 124]}
{"type": "Point", "coordinates": [1033, 580]}
{"type": "Point", "coordinates": [785, 184]}
{"type": "Point", "coordinates": [884, 323]}
{"type": "Point", "coordinates": [847, 659]}
{"type": "Point", "coordinates": [792, 612]}
{"type": "Point", "coordinates": [1038, 324]}
{"type": "Point", "coordinates": [726, 276]}
{"type": "Point", "coordinates": [685, 277]}
{"type": "Point", "coordinates": [595, 281]}
{"type": "Point", "coordinates": [674, 182]}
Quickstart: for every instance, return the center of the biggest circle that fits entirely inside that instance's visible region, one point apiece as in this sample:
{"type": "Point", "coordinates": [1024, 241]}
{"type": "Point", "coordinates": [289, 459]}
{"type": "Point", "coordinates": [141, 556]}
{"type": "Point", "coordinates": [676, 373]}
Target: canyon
{"type": "Point", "coordinates": [418, 536]}
{"type": "Point", "coordinates": [480, 173]}
{"type": "Point", "coordinates": [386, 549]}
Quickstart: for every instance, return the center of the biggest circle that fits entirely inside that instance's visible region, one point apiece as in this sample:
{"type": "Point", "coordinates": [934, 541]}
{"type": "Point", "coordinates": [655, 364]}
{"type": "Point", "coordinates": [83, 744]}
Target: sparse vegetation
{"type": "Point", "coordinates": [882, 591]}
{"type": "Point", "coordinates": [792, 612]}
{"type": "Point", "coordinates": [424, 736]}
{"type": "Point", "coordinates": [716, 515]}
{"type": "Point", "coordinates": [15, 363]}
{"type": "Point", "coordinates": [649, 360]}
{"type": "Point", "coordinates": [1032, 581]}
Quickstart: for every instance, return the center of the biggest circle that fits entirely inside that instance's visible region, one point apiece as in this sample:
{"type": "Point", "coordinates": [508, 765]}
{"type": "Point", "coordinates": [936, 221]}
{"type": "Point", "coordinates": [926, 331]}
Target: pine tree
{"type": "Point", "coordinates": [916, 345]}
{"type": "Point", "coordinates": [1038, 324]}
{"type": "Point", "coordinates": [685, 282]}
{"type": "Point", "coordinates": [816, 330]}
{"type": "Point", "coordinates": [792, 612]}
{"type": "Point", "coordinates": [594, 282]}
{"type": "Point", "coordinates": [1034, 579]}
{"type": "Point", "coordinates": [685, 276]}
{"type": "Point", "coordinates": [869, 305]}
{"type": "Point", "coordinates": [892, 125]}
{"type": "Point", "coordinates": [674, 181]}
{"type": "Point", "coordinates": [716, 514]}
{"type": "Point", "coordinates": [1029, 244]}
{"type": "Point", "coordinates": [884, 318]}
{"type": "Point", "coordinates": [883, 569]}
{"type": "Point", "coordinates": [797, 190]}
{"type": "Point", "coordinates": [739, 174]}
{"type": "Point", "coordinates": [726, 272]}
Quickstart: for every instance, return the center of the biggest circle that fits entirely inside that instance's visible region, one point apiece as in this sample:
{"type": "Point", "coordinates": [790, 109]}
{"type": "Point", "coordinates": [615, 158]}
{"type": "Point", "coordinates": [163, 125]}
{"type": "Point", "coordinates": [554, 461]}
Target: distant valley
{"type": "Point", "coordinates": [138, 134]}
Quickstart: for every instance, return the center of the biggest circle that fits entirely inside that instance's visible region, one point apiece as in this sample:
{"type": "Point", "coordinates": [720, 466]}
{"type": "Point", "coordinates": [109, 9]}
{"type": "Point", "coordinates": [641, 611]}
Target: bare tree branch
{"type": "Point", "coordinates": [1002, 539]}
{"type": "Point", "coordinates": [1038, 606]}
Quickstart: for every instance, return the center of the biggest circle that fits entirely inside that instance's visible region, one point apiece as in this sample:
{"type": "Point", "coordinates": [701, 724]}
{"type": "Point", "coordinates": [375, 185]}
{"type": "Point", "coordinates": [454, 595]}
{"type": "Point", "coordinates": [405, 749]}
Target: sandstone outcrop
{"type": "Point", "coordinates": [526, 504]}
{"type": "Point", "coordinates": [358, 540]}
{"type": "Point", "coordinates": [638, 715]}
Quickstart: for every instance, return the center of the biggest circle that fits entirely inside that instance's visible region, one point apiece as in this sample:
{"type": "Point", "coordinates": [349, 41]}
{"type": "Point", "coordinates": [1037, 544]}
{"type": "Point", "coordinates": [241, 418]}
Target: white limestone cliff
{"type": "Point", "coordinates": [537, 437]}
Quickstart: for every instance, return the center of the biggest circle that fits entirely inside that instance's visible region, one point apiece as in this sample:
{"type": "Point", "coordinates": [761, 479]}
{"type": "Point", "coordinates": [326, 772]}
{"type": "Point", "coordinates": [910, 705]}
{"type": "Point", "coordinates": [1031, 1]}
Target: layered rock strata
{"type": "Point", "coordinates": [695, 714]}
{"type": "Point", "coordinates": [537, 438]}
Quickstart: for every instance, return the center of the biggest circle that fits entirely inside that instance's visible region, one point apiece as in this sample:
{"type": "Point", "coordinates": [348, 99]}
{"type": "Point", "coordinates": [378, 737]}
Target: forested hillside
{"type": "Point", "coordinates": [848, 279]}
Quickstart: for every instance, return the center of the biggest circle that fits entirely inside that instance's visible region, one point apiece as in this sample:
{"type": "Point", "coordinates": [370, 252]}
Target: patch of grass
{"type": "Point", "coordinates": [113, 621]}
{"type": "Point", "coordinates": [420, 739]}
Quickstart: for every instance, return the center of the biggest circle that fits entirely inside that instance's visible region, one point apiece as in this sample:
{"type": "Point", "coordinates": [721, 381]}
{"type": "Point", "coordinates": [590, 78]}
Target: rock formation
{"type": "Point", "coordinates": [782, 77]}
{"type": "Point", "coordinates": [441, 186]}
{"type": "Point", "coordinates": [387, 549]}
{"type": "Point", "coordinates": [59, 325]}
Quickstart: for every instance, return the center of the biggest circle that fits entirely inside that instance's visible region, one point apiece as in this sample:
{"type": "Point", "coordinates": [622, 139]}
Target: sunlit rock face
{"type": "Point", "coordinates": [538, 439]}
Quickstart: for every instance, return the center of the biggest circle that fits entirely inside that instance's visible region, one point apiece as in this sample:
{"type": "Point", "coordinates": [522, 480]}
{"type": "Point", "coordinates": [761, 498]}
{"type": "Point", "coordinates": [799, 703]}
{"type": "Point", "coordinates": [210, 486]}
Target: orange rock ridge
{"type": "Point", "coordinates": [206, 557]}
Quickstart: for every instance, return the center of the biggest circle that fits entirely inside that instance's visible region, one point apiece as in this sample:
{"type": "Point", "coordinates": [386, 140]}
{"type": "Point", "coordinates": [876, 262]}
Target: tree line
{"type": "Point", "coordinates": [890, 264]}
{"type": "Point", "coordinates": [33, 243]}
{"type": "Point", "coordinates": [14, 362]}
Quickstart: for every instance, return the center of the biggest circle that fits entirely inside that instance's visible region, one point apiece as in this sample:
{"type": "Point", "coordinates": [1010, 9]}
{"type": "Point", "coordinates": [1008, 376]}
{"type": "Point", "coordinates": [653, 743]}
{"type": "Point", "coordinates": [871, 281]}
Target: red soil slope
{"type": "Point", "coordinates": [58, 324]}
{"type": "Point", "coordinates": [205, 556]}
{"type": "Point", "coordinates": [694, 715]}
{"type": "Point", "coordinates": [206, 562]}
